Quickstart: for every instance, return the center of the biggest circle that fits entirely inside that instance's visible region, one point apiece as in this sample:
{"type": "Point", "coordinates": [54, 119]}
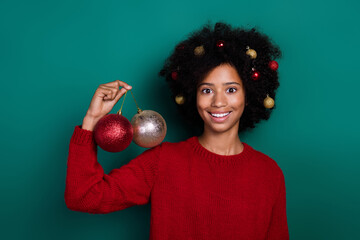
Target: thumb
{"type": "Point", "coordinates": [120, 94]}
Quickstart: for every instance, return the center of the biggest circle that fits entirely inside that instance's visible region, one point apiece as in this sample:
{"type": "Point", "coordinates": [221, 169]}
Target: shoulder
{"type": "Point", "coordinates": [164, 152]}
{"type": "Point", "coordinates": [176, 146]}
{"type": "Point", "coordinates": [175, 150]}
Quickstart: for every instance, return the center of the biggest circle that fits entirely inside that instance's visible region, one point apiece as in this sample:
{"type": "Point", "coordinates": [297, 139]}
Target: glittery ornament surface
{"type": "Point", "coordinates": [273, 65]}
{"type": "Point", "coordinates": [149, 128]}
{"type": "Point", "coordinates": [113, 133]}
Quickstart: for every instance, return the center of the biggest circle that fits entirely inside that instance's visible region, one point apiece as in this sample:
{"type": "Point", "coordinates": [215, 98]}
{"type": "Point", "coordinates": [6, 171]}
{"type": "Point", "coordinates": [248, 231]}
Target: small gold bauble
{"type": "Point", "coordinates": [199, 50]}
{"type": "Point", "coordinates": [179, 99]}
{"type": "Point", "coordinates": [269, 102]}
{"type": "Point", "coordinates": [252, 53]}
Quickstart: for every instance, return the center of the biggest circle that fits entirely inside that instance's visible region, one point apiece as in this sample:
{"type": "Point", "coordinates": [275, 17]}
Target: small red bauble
{"type": "Point", "coordinates": [113, 133]}
{"type": "Point", "coordinates": [255, 75]}
{"type": "Point", "coordinates": [180, 47]}
{"type": "Point", "coordinates": [174, 75]}
{"type": "Point", "coordinates": [273, 65]}
{"type": "Point", "coordinates": [220, 43]}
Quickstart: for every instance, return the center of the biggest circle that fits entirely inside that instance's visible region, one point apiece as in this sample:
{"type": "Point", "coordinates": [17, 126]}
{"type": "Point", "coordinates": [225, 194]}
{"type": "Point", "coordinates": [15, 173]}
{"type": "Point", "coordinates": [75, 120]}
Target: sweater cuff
{"type": "Point", "coordinates": [82, 136]}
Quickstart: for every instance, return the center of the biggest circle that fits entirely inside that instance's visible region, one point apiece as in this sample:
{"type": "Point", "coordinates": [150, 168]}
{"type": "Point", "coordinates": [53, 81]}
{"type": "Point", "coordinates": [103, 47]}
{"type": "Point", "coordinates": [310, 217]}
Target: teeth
{"type": "Point", "coordinates": [220, 114]}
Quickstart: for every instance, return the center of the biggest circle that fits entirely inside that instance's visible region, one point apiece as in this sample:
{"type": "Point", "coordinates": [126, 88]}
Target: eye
{"type": "Point", "coordinates": [206, 90]}
{"type": "Point", "coordinates": [231, 90]}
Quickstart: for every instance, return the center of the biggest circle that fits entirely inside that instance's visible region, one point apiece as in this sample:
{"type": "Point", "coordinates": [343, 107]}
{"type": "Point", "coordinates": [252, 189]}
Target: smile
{"type": "Point", "coordinates": [219, 115]}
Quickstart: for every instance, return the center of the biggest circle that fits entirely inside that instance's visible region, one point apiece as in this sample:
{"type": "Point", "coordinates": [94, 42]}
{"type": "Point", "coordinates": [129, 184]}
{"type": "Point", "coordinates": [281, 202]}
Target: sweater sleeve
{"type": "Point", "coordinates": [89, 189]}
{"type": "Point", "coordinates": [278, 229]}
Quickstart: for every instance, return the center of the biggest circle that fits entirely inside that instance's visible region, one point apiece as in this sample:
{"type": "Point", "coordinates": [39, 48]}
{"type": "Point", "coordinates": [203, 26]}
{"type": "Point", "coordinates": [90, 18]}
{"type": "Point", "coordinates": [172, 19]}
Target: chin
{"type": "Point", "coordinates": [229, 125]}
{"type": "Point", "coordinates": [221, 129]}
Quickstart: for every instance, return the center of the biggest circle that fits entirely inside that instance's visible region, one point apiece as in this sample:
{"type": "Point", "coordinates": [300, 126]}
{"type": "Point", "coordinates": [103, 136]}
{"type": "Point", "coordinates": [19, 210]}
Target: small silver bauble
{"type": "Point", "coordinates": [149, 128]}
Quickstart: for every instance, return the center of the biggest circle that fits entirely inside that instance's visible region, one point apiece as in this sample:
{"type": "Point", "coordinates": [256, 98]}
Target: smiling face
{"type": "Point", "coordinates": [221, 99]}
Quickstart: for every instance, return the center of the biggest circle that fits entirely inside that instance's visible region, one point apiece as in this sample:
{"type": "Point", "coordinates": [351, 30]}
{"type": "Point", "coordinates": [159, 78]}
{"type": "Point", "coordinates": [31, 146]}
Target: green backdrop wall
{"type": "Point", "coordinates": [54, 54]}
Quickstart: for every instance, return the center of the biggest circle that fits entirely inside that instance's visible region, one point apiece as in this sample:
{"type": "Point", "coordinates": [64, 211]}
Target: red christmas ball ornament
{"type": "Point", "coordinates": [273, 65]}
{"type": "Point", "coordinates": [220, 43]}
{"type": "Point", "coordinates": [255, 75]}
{"type": "Point", "coordinates": [113, 133]}
{"type": "Point", "coordinates": [180, 47]}
{"type": "Point", "coordinates": [174, 75]}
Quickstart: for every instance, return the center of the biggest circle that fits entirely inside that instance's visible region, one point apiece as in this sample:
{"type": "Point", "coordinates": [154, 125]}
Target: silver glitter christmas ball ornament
{"type": "Point", "coordinates": [149, 128]}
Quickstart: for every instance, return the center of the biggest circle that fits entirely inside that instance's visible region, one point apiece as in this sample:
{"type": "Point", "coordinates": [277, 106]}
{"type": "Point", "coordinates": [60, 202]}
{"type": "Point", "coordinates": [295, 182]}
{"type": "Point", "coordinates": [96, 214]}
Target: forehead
{"type": "Point", "coordinates": [222, 74]}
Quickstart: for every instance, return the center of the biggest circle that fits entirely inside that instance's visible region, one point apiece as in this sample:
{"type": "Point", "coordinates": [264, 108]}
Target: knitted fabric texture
{"type": "Point", "coordinates": [194, 193]}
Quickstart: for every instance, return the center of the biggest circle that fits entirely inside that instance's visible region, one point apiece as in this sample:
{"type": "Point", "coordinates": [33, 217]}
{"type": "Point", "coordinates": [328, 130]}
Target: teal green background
{"type": "Point", "coordinates": [54, 54]}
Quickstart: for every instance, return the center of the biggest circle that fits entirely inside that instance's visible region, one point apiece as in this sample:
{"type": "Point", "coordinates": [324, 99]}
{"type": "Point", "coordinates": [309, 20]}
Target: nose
{"type": "Point", "coordinates": [219, 100]}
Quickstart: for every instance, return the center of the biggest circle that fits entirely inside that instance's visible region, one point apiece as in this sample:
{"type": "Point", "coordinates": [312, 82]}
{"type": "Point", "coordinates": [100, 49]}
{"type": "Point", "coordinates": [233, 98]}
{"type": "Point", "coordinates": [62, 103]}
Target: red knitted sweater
{"type": "Point", "coordinates": [194, 193]}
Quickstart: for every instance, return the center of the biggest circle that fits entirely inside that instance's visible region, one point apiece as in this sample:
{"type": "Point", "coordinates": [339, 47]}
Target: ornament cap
{"type": "Point", "coordinates": [119, 112]}
{"type": "Point", "coordinates": [137, 106]}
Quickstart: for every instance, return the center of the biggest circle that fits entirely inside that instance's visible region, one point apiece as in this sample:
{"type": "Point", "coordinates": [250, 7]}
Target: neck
{"type": "Point", "coordinates": [227, 143]}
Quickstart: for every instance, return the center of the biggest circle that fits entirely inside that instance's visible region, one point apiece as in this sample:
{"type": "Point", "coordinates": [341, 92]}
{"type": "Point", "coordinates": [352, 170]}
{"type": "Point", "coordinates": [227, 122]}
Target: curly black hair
{"type": "Point", "coordinates": [204, 49]}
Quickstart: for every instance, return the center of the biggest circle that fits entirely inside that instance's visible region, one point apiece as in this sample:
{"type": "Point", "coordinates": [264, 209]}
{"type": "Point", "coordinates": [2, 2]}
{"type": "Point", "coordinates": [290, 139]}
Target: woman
{"type": "Point", "coordinates": [211, 186]}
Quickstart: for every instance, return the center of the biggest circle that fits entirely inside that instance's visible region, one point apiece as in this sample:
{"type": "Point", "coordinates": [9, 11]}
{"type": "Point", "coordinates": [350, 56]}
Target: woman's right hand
{"type": "Point", "coordinates": [104, 99]}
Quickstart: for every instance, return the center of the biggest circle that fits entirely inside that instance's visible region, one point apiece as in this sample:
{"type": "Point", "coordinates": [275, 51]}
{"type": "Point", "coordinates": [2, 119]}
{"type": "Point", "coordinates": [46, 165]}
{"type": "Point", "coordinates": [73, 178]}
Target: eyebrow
{"type": "Point", "coordinates": [211, 84]}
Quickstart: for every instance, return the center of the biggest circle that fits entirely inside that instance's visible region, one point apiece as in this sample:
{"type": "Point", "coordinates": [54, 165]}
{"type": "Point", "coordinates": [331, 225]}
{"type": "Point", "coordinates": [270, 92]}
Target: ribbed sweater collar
{"type": "Point", "coordinates": [221, 159]}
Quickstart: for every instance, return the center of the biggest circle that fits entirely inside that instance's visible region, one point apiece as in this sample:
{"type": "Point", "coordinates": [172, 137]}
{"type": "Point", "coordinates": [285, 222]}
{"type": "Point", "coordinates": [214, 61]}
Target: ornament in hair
{"type": "Point", "coordinates": [220, 43]}
{"type": "Point", "coordinates": [199, 51]}
{"type": "Point", "coordinates": [251, 52]}
{"type": "Point", "coordinates": [179, 99]}
{"type": "Point", "coordinates": [180, 47]}
{"type": "Point", "coordinates": [269, 102]}
{"type": "Point", "coordinates": [255, 74]}
{"type": "Point", "coordinates": [174, 75]}
{"type": "Point", "coordinates": [273, 65]}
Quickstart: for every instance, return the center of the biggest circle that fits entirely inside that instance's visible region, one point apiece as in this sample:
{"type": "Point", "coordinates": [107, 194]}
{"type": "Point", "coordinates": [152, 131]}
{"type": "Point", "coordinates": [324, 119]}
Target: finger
{"type": "Point", "coordinates": [123, 84]}
{"type": "Point", "coordinates": [107, 92]}
{"type": "Point", "coordinates": [117, 84]}
{"type": "Point", "coordinates": [119, 94]}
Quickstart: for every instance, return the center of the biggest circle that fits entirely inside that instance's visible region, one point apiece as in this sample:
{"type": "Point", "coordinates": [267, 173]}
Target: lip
{"type": "Point", "coordinates": [219, 119]}
{"type": "Point", "coordinates": [219, 112]}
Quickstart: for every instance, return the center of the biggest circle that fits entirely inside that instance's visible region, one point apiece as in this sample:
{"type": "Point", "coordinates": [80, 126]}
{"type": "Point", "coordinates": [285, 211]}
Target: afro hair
{"type": "Point", "coordinates": [204, 49]}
